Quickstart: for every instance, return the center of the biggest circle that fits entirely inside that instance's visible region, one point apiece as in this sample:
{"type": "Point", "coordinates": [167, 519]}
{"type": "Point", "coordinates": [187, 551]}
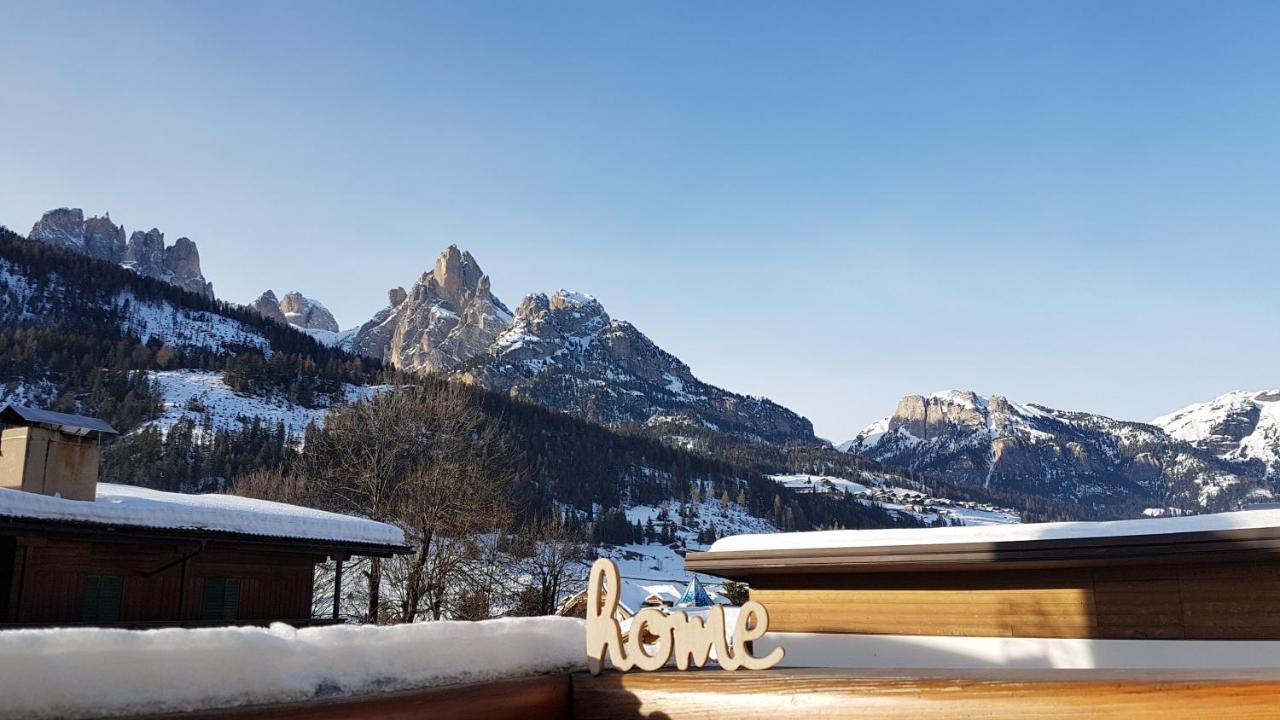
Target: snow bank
{"type": "Point", "coordinates": [84, 673]}
{"type": "Point", "coordinates": [1249, 519]}
{"type": "Point", "coordinates": [140, 507]}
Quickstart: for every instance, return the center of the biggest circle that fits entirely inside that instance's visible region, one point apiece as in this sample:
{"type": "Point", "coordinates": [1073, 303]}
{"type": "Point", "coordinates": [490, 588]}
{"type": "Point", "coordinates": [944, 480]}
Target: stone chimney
{"type": "Point", "coordinates": [50, 453]}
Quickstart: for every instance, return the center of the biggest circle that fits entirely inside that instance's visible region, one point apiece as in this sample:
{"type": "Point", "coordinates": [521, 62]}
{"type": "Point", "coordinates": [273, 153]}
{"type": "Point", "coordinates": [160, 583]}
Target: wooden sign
{"type": "Point", "coordinates": [689, 639]}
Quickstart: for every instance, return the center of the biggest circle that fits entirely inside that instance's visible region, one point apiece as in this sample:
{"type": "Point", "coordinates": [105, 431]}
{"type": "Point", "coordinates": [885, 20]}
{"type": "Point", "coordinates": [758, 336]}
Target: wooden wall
{"type": "Point", "coordinates": [52, 577]}
{"type": "Point", "coordinates": [1190, 601]}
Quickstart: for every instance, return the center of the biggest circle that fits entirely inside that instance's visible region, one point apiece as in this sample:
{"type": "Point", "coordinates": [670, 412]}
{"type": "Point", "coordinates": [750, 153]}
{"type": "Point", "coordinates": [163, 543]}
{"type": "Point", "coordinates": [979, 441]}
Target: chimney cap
{"type": "Point", "coordinates": [62, 422]}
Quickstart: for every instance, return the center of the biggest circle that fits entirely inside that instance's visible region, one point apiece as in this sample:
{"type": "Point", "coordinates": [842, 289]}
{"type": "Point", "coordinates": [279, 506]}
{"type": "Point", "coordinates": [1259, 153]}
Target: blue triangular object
{"type": "Point", "coordinates": [695, 596]}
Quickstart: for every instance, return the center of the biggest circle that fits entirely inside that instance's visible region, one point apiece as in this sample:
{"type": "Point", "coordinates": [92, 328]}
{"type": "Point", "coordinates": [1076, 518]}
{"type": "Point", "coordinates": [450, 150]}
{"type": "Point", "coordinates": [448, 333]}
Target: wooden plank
{"type": "Point", "coordinates": [536, 698]}
{"type": "Point", "coordinates": [917, 695]}
{"type": "Point", "coordinates": [1142, 602]}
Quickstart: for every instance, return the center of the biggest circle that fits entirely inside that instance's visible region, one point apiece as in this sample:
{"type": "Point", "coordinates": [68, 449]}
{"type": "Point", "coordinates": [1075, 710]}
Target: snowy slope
{"type": "Point", "coordinates": [1239, 426]}
{"type": "Point", "coordinates": [182, 327]}
{"type": "Point", "coordinates": [197, 394]}
{"type": "Point", "coordinates": [656, 563]}
{"type": "Point", "coordinates": [879, 489]}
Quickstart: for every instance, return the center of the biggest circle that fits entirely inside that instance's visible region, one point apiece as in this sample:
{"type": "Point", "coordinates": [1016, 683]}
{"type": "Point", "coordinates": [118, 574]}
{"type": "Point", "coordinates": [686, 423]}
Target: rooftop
{"type": "Point", "coordinates": [1252, 531]}
{"type": "Point", "coordinates": [135, 507]}
{"type": "Point", "coordinates": [63, 422]}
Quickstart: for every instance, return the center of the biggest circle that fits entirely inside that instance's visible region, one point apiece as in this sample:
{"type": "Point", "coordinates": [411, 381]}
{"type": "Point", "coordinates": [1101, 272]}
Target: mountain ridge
{"type": "Point", "coordinates": [1067, 455]}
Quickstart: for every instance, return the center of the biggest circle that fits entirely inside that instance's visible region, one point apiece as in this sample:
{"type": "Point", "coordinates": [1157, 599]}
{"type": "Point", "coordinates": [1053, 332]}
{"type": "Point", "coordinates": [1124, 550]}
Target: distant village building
{"type": "Point", "coordinates": [75, 551]}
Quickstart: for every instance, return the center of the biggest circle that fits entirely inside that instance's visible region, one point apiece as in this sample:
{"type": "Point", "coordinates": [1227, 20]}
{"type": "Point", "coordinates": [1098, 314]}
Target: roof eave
{"type": "Point", "coordinates": [15, 525]}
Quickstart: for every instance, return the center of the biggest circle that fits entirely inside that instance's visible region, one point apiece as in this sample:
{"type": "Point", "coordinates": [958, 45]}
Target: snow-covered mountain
{"type": "Point", "coordinates": [560, 350]}
{"type": "Point", "coordinates": [1240, 426]}
{"type": "Point", "coordinates": [564, 351]}
{"type": "Point", "coordinates": [145, 252]}
{"type": "Point", "coordinates": [1072, 456]}
{"type": "Point", "coordinates": [297, 310]}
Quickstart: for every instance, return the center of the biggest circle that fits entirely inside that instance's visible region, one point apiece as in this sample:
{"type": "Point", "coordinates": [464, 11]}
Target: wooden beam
{"type": "Point", "coordinates": [544, 697]}
{"type": "Point", "coordinates": [337, 589]}
{"type": "Point", "coordinates": [921, 695]}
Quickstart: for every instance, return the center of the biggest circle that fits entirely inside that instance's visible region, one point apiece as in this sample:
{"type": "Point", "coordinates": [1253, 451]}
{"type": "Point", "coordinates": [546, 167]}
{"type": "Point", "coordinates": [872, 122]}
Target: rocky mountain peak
{"type": "Point", "coordinates": [104, 239]}
{"type": "Point", "coordinates": [456, 274]}
{"type": "Point", "coordinates": [268, 306]}
{"type": "Point", "coordinates": [447, 317]}
{"type": "Point", "coordinates": [305, 312]}
{"type": "Point", "coordinates": [63, 227]}
{"type": "Point", "coordinates": [297, 310]}
{"type": "Point", "coordinates": [144, 252]}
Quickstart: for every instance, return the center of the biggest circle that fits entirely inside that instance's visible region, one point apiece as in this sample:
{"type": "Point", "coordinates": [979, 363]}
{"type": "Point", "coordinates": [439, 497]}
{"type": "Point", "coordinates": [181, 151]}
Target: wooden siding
{"type": "Point", "coordinates": [50, 576]}
{"type": "Point", "coordinates": [1205, 602]}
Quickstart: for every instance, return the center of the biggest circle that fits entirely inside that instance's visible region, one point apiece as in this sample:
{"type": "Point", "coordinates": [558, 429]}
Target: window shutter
{"type": "Point", "coordinates": [231, 600]}
{"type": "Point", "coordinates": [102, 598]}
{"type": "Point", "coordinates": [221, 599]}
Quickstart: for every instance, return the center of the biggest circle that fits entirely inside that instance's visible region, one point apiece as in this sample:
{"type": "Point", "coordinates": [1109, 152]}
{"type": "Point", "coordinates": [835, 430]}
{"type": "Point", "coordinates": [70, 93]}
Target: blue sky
{"type": "Point", "coordinates": [831, 204]}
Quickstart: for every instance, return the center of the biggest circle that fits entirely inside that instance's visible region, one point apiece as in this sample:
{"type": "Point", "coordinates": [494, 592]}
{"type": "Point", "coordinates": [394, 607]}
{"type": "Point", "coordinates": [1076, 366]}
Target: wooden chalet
{"type": "Point", "coordinates": [1183, 592]}
{"type": "Point", "coordinates": [75, 551]}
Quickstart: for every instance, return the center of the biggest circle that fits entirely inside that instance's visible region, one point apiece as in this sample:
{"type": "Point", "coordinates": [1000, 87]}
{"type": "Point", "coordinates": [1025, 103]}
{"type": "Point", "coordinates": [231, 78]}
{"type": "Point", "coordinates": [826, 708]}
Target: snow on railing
{"type": "Point", "coordinates": [90, 672]}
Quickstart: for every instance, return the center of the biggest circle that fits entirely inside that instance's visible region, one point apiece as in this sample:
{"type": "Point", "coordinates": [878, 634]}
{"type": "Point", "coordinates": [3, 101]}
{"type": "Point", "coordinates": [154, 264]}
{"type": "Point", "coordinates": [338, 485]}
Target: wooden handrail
{"type": "Point", "coordinates": [544, 697]}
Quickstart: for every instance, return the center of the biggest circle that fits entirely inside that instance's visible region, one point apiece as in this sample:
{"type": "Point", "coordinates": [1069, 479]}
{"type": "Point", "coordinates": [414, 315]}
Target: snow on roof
{"type": "Point", "coordinates": [64, 422]}
{"type": "Point", "coordinates": [1243, 520]}
{"type": "Point", "coordinates": [93, 672]}
{"type": "Point", "coordinates": [139, 507]}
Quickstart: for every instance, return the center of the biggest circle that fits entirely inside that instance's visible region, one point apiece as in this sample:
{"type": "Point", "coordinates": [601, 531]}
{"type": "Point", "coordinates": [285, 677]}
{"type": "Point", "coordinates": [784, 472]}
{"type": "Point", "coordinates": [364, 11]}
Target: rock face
{"type": "Point", "coordinates": [446, 318]}
{"type": "Point", "coordinates": [144, 253]}
{"type": "Point", "coordinates": [297, 310]}
{"type": "Point", "coordinates": [63, 227]}
{"type": "Point", "coordinates": [268, 306]}
{"type": "Point", "coordinates": [1242, 427]}
{"type": "Point", "coordinates": [1070, 456]}
{"type": "Point", "coordinates": [305, 312]}
{"type": "Point", "coordinates": [560, 350]}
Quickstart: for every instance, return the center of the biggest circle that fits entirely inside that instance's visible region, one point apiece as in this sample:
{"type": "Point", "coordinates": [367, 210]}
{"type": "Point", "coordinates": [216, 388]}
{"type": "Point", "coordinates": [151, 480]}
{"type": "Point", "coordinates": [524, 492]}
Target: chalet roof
{"type": "Point", "coordinates": [1255, 532]}
{"type": "Point", "coordinates": [125, 506]}
{"type": "Point", "coordinates": [62, 422]}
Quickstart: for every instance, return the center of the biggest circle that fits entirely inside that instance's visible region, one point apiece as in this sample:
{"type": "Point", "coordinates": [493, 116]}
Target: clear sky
{"type": "Point", "coordinates": [831, 204]}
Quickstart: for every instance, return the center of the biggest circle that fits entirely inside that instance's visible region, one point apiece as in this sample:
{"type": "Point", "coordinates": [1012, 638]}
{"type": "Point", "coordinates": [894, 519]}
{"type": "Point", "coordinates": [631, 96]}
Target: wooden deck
{"type": "Point", "coordinates": [924, 695]}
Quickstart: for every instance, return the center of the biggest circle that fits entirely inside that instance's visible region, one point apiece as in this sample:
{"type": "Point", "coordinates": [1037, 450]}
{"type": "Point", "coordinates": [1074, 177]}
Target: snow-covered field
{"type": "Point", "coordinates": [878, 489]}
{"type": "Point", "coordinates": [90, 672]}
{"type": "Point", "coordinates": [193, 394]}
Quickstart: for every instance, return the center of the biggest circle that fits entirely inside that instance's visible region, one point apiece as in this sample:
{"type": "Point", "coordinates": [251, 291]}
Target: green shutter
{"type": "Point", "coordinates": [221, 599]}
{"type": "Point", "coordinates": [231, 600]}
{"type": "Point", "coordinates": [102, 596]}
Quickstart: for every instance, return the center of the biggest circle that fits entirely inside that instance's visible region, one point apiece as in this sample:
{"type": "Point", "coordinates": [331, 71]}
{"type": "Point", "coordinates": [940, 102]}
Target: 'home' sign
{"type": "Point", "coordinates": [679, 634]}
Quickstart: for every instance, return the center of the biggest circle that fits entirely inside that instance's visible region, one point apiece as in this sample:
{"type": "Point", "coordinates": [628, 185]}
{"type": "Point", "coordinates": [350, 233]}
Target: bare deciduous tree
{"type": "Point", "coordinates": [430, 460]}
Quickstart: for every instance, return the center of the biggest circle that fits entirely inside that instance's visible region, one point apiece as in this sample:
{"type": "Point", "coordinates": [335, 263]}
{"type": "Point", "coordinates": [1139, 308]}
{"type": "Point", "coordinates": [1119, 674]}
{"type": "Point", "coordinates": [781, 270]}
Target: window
{"type": "Point", "coordinates": [102, 598]}
{"type": "Point", "coordinates": [221, 598]}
